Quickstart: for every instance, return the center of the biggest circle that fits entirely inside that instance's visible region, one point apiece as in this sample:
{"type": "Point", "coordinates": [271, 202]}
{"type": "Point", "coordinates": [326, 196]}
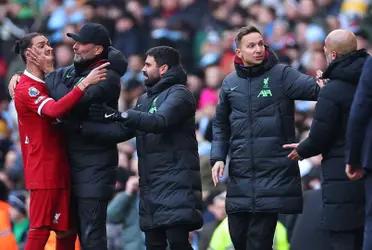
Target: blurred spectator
{"type": "Point", "coordinates": [60, 16]}
{"type": "Point", "coordinates": [123, 210]}
{"type": "Point", "coordinates": [132, 83]}
{"type": "Point", "coordinates": [63, 55]}
{"type": "Point", "coordinates": [127, 35]}
{"type": "Point", "coordinates": [18, 214]}
{"type": "Point", "coordinates": [4, 140]}
{"type": "Point", "coordinates": [362, 39]}
{"type": "Point", "coordinates": [195, 85]}
{"type": "Point", "coordinates": [7, 240]}
{"type": "Point", "coordinates": [215, 209]}
{"type": "Point", "coordinates": [281, 36]}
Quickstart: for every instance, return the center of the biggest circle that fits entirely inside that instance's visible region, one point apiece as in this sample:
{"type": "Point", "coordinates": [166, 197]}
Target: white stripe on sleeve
{"type": "Point", "coordinates": [42, 105]}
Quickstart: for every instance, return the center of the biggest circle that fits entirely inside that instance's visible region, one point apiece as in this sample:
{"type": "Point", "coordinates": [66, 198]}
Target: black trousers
{"type": "Point", "coordinates": [346, 240]}
{"type": "Point", "coordinates": [253, 231]}
{"type": "Point", "coordinates": [91, 222]}
{"type": "Point", "coordinates": [177, 237]}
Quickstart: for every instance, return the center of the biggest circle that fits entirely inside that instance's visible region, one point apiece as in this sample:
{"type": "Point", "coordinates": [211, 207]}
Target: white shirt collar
{"type": "Point", "coordinates": [35, 78]}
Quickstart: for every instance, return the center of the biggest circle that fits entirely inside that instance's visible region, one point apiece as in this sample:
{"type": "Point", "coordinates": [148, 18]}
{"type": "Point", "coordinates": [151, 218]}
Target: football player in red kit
{"type": "Point", "coordinates": [46, 168]}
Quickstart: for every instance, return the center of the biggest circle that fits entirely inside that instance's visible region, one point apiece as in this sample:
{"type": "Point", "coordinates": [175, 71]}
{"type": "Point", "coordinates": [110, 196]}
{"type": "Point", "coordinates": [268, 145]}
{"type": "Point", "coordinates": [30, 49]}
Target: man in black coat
{"type": "Point", "coordinates": [254, 118]}
{"type": "Point", "coordinates": [359, 144]}
{"type": "Point", "coordinates": [343, 200]}
{"type": "Point", "coordinates": [163, 122]}
{"type": "Point", "coordinates": [92, 164]}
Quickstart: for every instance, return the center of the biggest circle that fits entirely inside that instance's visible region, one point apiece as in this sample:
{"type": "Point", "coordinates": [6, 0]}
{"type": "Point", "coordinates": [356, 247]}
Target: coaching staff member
{"type": "Point", "coordinates": [342, 199]}
{"type": "Point", "coordinates": [92, 163]}
{"type": "Point", "coordinates": [163, 122]}
{"type": "Point", "coordinates": [254, 118]}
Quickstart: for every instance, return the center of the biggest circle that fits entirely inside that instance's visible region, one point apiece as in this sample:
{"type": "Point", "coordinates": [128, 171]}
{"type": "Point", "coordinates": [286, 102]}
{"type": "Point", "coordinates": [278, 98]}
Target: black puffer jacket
{"type": "Point", "coordinates": [342, 199]}
{"type": "Point", "coordinates": [92, 164]}
{"type": "Point", "coordinates": [254, 118]}
{"type": "Point", "coordinates": [168, 160]}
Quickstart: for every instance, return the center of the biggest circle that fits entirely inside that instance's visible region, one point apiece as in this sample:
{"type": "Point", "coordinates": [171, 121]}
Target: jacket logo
{"type": "Point", "coordinates": [233, 88]}
{"type": "Point", "coordinates": [265, 91]}
{"type": "Point", "coordinates": [153, 108]}
{"type": "Point", "coordinates": [109, 115]}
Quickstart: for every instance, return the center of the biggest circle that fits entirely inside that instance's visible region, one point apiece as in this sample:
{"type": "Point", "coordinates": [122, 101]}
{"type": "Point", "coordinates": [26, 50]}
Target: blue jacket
{"type": "Point", "coordinates": [359, 132]}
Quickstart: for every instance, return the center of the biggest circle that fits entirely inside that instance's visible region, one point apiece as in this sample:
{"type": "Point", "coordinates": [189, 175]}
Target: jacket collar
{"type": "Point", "coordinates": [347, 68]}
{"type": "Point", "coordinates": [84, 68]}
{"type": "Point", "coordinates": [33, 77]}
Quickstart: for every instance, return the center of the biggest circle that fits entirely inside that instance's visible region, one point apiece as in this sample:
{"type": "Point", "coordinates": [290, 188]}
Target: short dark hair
{"type": "Point", "coordinates": [245, 31]}
{"type": "Point", "coordinates": [25, 42]}
{"type": "Point", "coordinates": [165, 55]}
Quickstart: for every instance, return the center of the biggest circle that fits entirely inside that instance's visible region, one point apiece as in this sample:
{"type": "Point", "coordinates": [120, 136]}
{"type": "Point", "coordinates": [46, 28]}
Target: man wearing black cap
{"type": "Point", "coordinates": [92, 164]}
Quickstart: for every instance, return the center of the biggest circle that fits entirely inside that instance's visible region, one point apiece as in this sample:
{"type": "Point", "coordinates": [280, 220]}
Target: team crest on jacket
{"type": "Point", "coordinates": [32, 91]}
{"type": "Point", "coordinates": [265, 91]}
{"type": "Point", "coordinates": [153, 108]}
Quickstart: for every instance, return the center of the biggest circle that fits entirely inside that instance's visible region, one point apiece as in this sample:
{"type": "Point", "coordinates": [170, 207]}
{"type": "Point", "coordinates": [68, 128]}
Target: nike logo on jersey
{"type": "Point", "coordinates": [109, 115]}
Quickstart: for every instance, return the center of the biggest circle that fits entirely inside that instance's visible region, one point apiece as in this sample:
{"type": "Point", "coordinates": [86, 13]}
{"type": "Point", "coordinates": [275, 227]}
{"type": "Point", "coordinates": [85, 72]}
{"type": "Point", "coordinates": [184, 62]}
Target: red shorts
{"type": "Point", "coordinates": [50, 208]}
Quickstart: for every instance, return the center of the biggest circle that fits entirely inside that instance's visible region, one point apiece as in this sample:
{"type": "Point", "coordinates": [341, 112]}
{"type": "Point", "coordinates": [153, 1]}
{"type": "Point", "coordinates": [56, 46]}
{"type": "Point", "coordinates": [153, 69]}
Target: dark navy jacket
{"type": "Point", "coordinates": [163, 123]}
{"type": "Point", "coordinates": [254, 118]}
{"type": "Point", "coordinates": [341, 197]}
{"type": "Point", "coordinates": [92, 164]}
{"type": "Point", "coordinates": [359, 133]}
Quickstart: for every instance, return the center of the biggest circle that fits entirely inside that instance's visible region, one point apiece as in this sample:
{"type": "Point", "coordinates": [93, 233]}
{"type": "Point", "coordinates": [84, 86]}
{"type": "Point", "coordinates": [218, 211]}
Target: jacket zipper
{"type": "Point", "coordinates": [251, 148]}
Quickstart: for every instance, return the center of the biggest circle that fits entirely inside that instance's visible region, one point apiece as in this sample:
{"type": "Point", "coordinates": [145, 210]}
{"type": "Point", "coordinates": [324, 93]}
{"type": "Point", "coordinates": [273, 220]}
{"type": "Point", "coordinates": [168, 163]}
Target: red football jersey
{"type": "Point", "coordinates": [43, 148]}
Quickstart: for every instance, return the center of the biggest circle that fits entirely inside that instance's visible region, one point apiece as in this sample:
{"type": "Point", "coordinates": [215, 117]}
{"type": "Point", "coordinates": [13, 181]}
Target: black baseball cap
{"type": "Point", "coordinates": [92, 33]}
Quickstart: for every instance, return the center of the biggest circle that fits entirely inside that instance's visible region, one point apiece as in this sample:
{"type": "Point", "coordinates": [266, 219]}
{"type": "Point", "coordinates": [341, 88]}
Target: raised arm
{"type": "Point", "coordinates": [298, 86]}
{"type": "Point", "coordinates": [55, 109]}
{"type": "Point", "coordinates": [178, 107]}
{"type": "Point", "coordinates": [325, 123]}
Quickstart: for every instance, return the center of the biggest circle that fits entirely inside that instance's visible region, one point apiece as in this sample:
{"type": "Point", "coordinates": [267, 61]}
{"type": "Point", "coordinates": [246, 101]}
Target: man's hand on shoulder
{"type": "Point", "coordinates": [12, 84]}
